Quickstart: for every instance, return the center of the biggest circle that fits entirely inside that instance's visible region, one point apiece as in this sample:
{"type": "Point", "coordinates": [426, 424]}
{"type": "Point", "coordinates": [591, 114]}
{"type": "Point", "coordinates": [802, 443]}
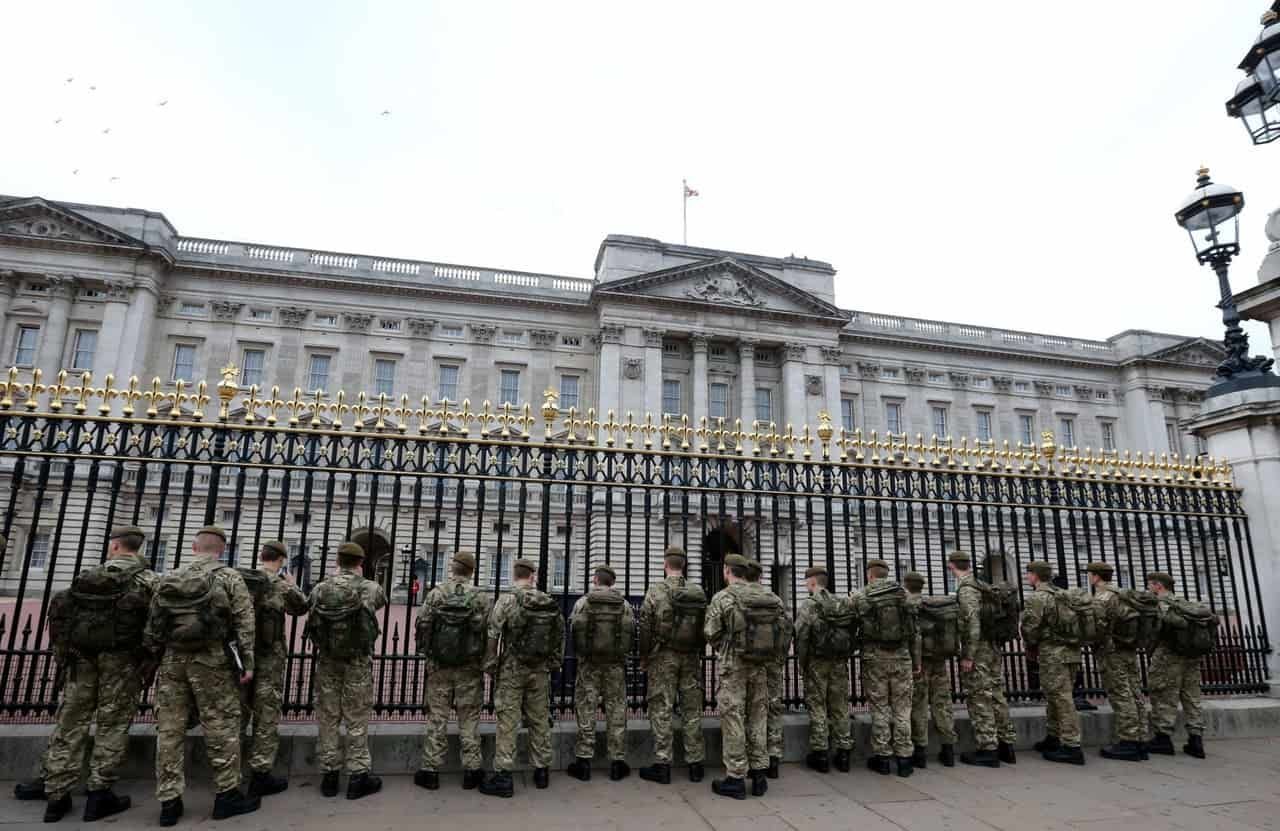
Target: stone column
{"type": "Point", "coordinates": [833, 357]}
{"type": "Point", "coordinates": [220, 346]}
{"type": "Point", "coordinates": [747, 380]}
{"type": "Point", "coordinates": [699, 379]}
{"type": "Point", "coordinates": [285, 367]}
{"type": "Point", "coordinates": [610, 373]}
{"type": "Point", "coordinates": [134, 348]}
{"type": "Point", "coordinates": [652, 374]}
{"type": "Point", "coordinates": [794, 408]}
{"type": "Point", "coordinates": [53, 340]}
{"type": "Point", "coordinates": [8, 288]}
{"type": "Point", "coordinates": [115, 313]}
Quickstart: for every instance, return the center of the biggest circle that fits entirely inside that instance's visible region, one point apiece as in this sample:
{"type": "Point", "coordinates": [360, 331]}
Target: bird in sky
{"type": "Point", "coordinates": [57, 121]}
{"type": "Point", "coordinates": [115, 178]}
{"type": "Point", "coordinates": [162, 103]}
{"type": "Point", "coordinates": [92, 88]}
{"type": "Point", "coordinates": [69, 80]}
{"type": "Point", "coordinates": [385, 112]}
{"type": "Point", "coordinates": [106, 131]}
{"type": "Point", "coordinates": [75, 172]}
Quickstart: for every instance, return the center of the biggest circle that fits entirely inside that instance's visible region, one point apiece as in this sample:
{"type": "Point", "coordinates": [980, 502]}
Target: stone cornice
{"type": "Point", "coordinates": [899, 342]}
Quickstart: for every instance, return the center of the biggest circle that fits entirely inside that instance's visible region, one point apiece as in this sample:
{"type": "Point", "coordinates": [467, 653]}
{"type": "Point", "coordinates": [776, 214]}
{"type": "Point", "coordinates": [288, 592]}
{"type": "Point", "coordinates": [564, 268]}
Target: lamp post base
{"type": "Point", "coordinates": [1243, 381]}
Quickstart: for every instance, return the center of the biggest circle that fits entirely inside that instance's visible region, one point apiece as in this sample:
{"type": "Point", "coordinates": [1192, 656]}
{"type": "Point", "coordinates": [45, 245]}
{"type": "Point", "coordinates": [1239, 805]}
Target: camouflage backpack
{"type": "Point", "coordinates": [1189, 628]}
{"type": "Point", "coordinates": [682, 629]}
{"type": "Point", "coordinates": [454, 634]}
{"type": "Point", "coordinates": [537, 627]}
{"type": "Point", "coordinates": [196, 610]}
{"type": "Point", "coordinates": [757, 627]}
{"type": "Point", "coordinates": [998, 612]}
{"type": "Point", "coordinates": [1137, 620]}
{"type": "Point", "coordinates": [1072, 620]}
{"type": "Point", "coordinates": [340, 624]}
{"type": "Point", "coordinates": [887, 622]}
{"type": "Point", "coordinates": [103, 611]}
{"type": "Point", "coordinates": [268, 612]}
{"type": "Point", "coordinates": [835, 627]}
{"type": "Point", "coordinates": [603, 631]}
{"type": "Point", "coordinates": [939, 627]}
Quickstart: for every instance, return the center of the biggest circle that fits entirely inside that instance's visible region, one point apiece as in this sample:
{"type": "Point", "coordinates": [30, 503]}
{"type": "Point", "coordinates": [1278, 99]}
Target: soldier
{"type": "Point", "coordinates": [980, 675]}
{"type": "Point", "coordinates": [98, 638]}
{"type": "Point", "coordinates": [202, 621]}
{"type": "Point", "coordinates": [671, 648]}
{"type": "Point", "coordinates": [275, 595]}
{"type": "Point", "coordinates": [602, 623]}
{"type": "Point", "coordinates": [775, 672]}
{"type": "Point", "coordinates": [744, 693]}
{"type": "Point", "coordinates": [824, 642]}
{"type": "Point", "coordinates": [525, 645]}
{"type": "Point", "coordinates": [342, 624]}
{"type": "Point", "coordinates": [1119, 665]}
{"type": "Point", "coordinates": [890, 656]}
{"type": "Point", "coordinates": [1059, 662]}
{"type": "Point", "coordinates": [1172, 678]}
{"type": "Point", "coordinates": [34, 788]}
{"type": "Point", "coordinates": [452, 628]}
{"type": "Point", "coordinates": [930, 693]}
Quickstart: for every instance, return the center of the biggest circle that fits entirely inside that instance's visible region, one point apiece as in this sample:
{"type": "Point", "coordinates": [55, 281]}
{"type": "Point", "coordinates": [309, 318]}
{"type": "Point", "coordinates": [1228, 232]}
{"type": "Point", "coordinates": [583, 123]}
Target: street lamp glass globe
{"type": "Point", "coordinates": [1211, 216]}
{"type": "Point", "coordinates": [1263, 59]}
{"type": "Point", "coordinates": [1259, 114]}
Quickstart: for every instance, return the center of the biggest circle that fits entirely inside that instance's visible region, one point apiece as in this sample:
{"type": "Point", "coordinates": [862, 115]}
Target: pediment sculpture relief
{"type": "Point", "coordinates": [724, 288]}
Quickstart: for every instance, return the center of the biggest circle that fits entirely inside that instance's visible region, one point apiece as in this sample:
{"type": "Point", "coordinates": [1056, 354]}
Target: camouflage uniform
{"type": "Point", "coordinates": [775, 673]}
{"type": "Point", "coordinates": [931, 693]}
{"type": "Point", "coordinates": [522, 691]}
{"type": "Point", "coordinates": [1119, 667]}
{"type": "Point", "coordinates": [671, 672]}
{"type": "Point", "coordinates": [1173, 678]}
{"type": "Point", "coordinates": [984, 684]}
{"type": "Point", "coordinates": [886, 681]}
{"type": "Point", "coordinates": [102, 689]}
{"type": "Point", "coordinates": [207, 676]}
{"type": "Point", "coordinates": [826, 685]}
{"type": "Point", "coordinates": [744, 695]}
{"type": "Point", "coordinates": [344, 691]}
{"type": "Point", "coordinates": [1059, 664]}
{"type": "Point", "coordinates": [268, 678]}
{"type": "Point", "coordinates": [600, 685]}
{"type": "Point", "coordinates": [464, 685]}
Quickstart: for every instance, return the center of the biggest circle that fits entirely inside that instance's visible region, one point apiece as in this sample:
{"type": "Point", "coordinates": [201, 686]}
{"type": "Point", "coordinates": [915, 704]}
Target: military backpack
{"type": "Point", "coordinates": [537, 627]}
{"type": "Point", "coordinates": [454, 633]}
{"type": "Point", "coordinates": [268, 612]}
{"type": "Point", "coordinates": [103, 611]}
{"type": "Point", "coordinates": [887, 622]}
{"type": "Point", "coordinates": [998, 612]}
{"type": "Point", "coordinates": [681, 628]}
{"type": "Point", "coordinates": [603, 631]}
{"type": "Point", "coordinates": [1072, 619]}
{"type": "Point", "coordinates": [939, 627]}
{"type": "Point", "coordinates": [340, 624]}
{"type": "Point", "coordinates": [835, 627]}
{"type": "Point", "coordinates": [758, 636]}
{"type": "Point", "coordinates": [1137, 621]}
{"type": "Point", "coordinates": [196, 610]}
{"type": "Point", "coordinates": [1189, 628]}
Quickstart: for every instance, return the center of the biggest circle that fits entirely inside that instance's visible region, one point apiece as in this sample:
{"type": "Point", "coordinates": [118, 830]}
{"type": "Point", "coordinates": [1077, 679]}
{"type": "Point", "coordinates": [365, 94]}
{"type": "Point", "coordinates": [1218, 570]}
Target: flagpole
{"type": "Point", "coordinates": [684, 209]}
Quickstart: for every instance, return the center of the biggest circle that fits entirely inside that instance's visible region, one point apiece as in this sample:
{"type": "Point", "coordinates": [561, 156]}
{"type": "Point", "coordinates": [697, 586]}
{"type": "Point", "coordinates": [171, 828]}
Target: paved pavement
{"type": "Point", "coordinates": [1236, 789]}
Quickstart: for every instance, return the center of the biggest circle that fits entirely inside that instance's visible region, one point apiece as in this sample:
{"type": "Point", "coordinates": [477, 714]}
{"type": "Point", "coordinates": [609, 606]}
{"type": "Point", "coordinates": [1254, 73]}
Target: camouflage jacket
{"type": "Point", "coordinates": [242, 617]}
{"type": "Point", "coordinates": [861, 609]}
{"type": "Point", "coordinates": [504, 611]}
{"type": "Point", "coordinates": [1035, 633]}
{"type": "Point", "coordinates": [969, 597]}
{"type": "Point", "coordinates": [283, 595]}
{"type": "Point", "coordinates": [718, 626]}
{"type": "Point", "coordinates": [436, 597]}
{"type": "Point", "coordinates": [788, 625]}
{"type": "Point", "coordinates": [1106, 606]}
{"type": "Point", "coordinates": [656, 605]}
{"type": "Point", "coordinates": [144, 583]}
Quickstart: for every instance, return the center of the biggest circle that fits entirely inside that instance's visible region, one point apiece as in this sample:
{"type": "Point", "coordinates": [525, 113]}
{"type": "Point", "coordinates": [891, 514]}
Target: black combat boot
{"type": "Point", "coordinates": [817, 760]}
{"type": "Point", "coordinates": [56, 809]}
{"type": "Point", "coordinates": [759, 782]}
{"type": "Point", "coordinates": [981, 758]}
{"type": "Point", "coordinates": [696, 772]}
{"type": "Point", "coordinates": [618, 770]}
{"type": "Point", "coordinates": [775, 767]}
{"type": "Point", "coordinates": [1142, 750]}
{"type": "Point", "coordinates": [362, 785]}
{"type": "Point", "coordinates": [170, 812]}
{"type": "Point", "coordinates": [1161, 744]}
{"type": "Point", "coordinates": [1122, 751]}
{"type": "Point", "coordinates": [329, 783]}
{"type": "Point", "coordinates": [1004, 752]}
{"type": "Point", "coordinates": [232, 803]}
{"type": "Point", "coordinates": [880, 765]}
{"type": "Point", "coordinates": [1065, 755]}
{"type": "Point", "coordinates": [1049, 742]}
{"type": "Point", "coordinates": [947, 755]}
{"type": "Point", "coordinates": [430, 779]}
{"type": "Point", "coordinates": [730, 786]}
{"type": "Point", "coordinates": [498, 785]}
{"type": "Point", "coordinates": [262, 783]}
{"type": "Point", "coordinates": [104, 803]}
{"type": "Point", "coordinates": [471, 779]}
{"type": "Point", "coordinates": [1194, 746]}
{"type": "Point", "coordinates": [659, 772]}
{"type": "Point", "coordinates": [580, 769]}
{"type": "Point", "coordinates": [905, 768]}
{"type": "Point", "coordinates": [29, 791]}
{"type": "Point", "coordinates": [541, 778]}
{"type": "Point", "coordinates": [843, 760]}
{"type": "Point", "coordinates": [920, 758]}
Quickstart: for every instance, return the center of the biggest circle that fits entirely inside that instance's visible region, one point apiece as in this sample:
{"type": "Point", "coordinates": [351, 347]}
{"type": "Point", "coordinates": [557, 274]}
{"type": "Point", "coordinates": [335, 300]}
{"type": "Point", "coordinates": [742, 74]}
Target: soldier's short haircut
{"type": "Point", "coordinates": [461, 569]}
{"type": "Point", "coordinates": [675, 561]}
{"type": "Point", "coordinates": [878, 572]}
{"type": "Point", "coordinates": [821, 579]}
{"type": "Point", "coordinates": [522, 573]}
{"type": "Point", "coordinates": [739, 572]}
{"type": "Point", "coordinates": [207, 543]}
{"type": "Point", "coordinates": [349, 560]}
{"type": "Point", "coordinates": [605, 578]}
{"type": "Point", "coordinates": [131, 542]}
{"type": "Point", "coordinates": [270, 554]}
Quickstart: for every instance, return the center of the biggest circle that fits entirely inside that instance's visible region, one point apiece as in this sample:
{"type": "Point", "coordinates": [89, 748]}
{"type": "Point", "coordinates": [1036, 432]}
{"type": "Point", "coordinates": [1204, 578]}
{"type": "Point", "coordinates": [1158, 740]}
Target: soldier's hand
{"type": "Point", "coordinates": [966, 665]}
{"type": "Point", "coordinates": [246, 677]}
{"type": "Point", "coordinates": [289, 578]}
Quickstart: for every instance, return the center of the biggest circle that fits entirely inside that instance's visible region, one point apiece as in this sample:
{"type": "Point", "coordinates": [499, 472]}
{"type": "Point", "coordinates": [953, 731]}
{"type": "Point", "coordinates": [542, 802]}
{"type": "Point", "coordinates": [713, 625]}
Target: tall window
{"type": "Point", "coordinates": [1108, 436]}
{"type": "Point", "coordinates": [384, 377]}
{"type": "Point", "coordinates": [252, 364]}
{"type": "Point", "coordinates": [671, 404]}
{"type": "Point", "coordinates": [1027, 427]}
{"type": "Point", "coordinates": [318, 372]}
{"type": "Point", "coordinates": [83, 349]}
{"type": "Point", "coordinates": [984, 425]}
{"type": "Point", "coordinates": [1175, 443]}
{"type": "Point", "coordinates": [559, 568]}
{"type": "Point", "coordinates": [162, 556]}
{"type": "Point", "coordinates": [847, 420]}
{"type": "Point", "coordinates": [718, 403]}
{"type": "Point", "coordinates": [448, 383]}
{"type": "Point", "coordinates": [509, 387]}
{"type": "Point", "coordinates": [569, 396]}
{"type": "Point", "coordinates": [39, 550]}
{"type": "Point", "coordinates": [893, 417]}
{"type": "Point", "coordinates": [764, 405]}
{"type": "Point", "coordinates": [24, 348]}
{"type": "Point", "coordinates": [184, 362]}
{"type": "Point", "coordinates": [1068, 427]}
{"type": "Point", "coordinates": [940, 421]}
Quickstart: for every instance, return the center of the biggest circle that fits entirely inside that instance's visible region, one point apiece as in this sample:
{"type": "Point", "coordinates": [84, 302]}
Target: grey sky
{"type": "Point", "coordinates": [1001, 162]}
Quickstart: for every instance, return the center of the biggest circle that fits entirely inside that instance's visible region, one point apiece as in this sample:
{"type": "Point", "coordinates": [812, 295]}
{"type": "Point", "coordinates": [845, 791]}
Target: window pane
{"type": "Point", "coordinates": [448, 383]}
{"type": "Point", "coordinates": [24, 351]}
{"type": "Point", "coordinates": [85, 347]}
{"type": "Point", "coordinates": [1108, 436]}
{"type": "Point", "coordinates": [940, 421]}
{"type": "Point", "coordinates": [1068, 432]}
{"type": "Point", "coordinates": [384, 377]}
{"type": "Point", "coordinates": [39, 550]}
{"type": "Point", "coordinates": [1027, 424]}
{"type": "Point", "coordinates": [568, 391]}
{"type": "Point", "coordinates": [509, 387]}
{"type": "Point", "coordinates": [1174, 444]}
{"type": "Point", "coordinates": [318, 373]}
{"type": "Point", "coordinates": [718, 405]}
{"type": "Point", "coordinates": [893, 418]}
{"type": "Point", "coordinates": [764, 405]}
{"type": "Point", "coordinates": [671, 404]}
{"type": "Point", "coordinates": [984, 425]}
{"type": "Point", "coordinates": [251, 373]}
{"type": "Point", "coordinates": [846, 414]}
{"type": "Point", "coordinates": [184, 362]}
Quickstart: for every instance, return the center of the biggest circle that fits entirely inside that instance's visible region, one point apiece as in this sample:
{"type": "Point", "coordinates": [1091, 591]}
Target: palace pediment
{"type": "Point", "coordinates": [1196, 351]}
{"type": "Point", "coordinates": [36, 217]}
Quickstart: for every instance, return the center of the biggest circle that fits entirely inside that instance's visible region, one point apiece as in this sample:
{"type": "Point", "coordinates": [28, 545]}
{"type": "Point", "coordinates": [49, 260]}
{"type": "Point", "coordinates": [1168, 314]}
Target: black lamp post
{"type": "Point", "coordinates": [1211, 216]}
{"type": "Point", "coordinates": [1257, 98]}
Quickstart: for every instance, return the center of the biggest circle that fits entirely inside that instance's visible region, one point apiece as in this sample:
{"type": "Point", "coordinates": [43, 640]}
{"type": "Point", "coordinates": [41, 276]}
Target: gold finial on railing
{"type": "Point", "coordinates": [251, 404]}
{"type": "Point", "coordinates": [665, 431]}
{"type": "Point", "coordinates": [317, 407]}
{"type": "Point", "coordinates": [227, 390]}
{"type": "Point", "coordinates": [33, 391]}
{"type": "Point", "coordinates": [550, 409]}
{"type": "Point", "coordinates": [339, 409]}
{"type": "Point", "coordinates": [466, 417]}
{"type": "Point", "coordinates": [703, 432]}
{"type": "Point", "coordinates": [526, 420]}
{"type": "Point", "coordinates": [10, 387]}
{"type": "Point", "coordinates": [1048, 449]}
{"type": "Point", "coordinates": [825, 432]}
{"type": "Point", "coordinates": [484, 418]}
{"type": "Point", "coordinates": [647, 430]}
{"type": "Point", "coordinates": [505, 420]}
{"type": "Point", "coordinates": [83, 393]}
{"type": "Point", "coordinates": [154, 397]}
{"type": "Point", "coordinates": [57, 390]}
{"type": "Point", "coordinates": [629, 428]}
{"type": "Point", "coordinates": [571, 424]}
{"type": "Point", "coordinates": [610, 427]}
{"type": "Point", "coordinates": [403, 412]}
{"type": "Point", "coordinates": [686, 433]}
{"type": "Point", "coordinates": [175, 411]}
{"type": "Point", "coordinates": [198, 400]}
{"type": "Point", "coordinates": [296, 406]}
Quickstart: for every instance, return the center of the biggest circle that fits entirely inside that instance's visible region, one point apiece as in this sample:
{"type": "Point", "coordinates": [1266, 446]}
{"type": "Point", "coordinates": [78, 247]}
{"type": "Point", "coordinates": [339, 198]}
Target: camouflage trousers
{"type": "Point", "coordinates": [774, 677]}
{"type": "Point", "coordinates": [1124, 690]}
{"type": "Point", "coordinates": [1173, 679]}
{"type": "Point", "coordinates": [826, 698]}
{"type": "Point", "coordinates": [601, 687]}
{"type": "Point", "coordinates": [264, 709]}
{"type": "Point", "coordinates": [744, 718]}
{"type": "Point", "coordinates": [671, 673]}
{"type": "Point", "coordinates": [182, 679]}
{"type": "Point", "coordinates": [886, 681]}
{"type": "Point", "coordinates": [523, 693]}
{"type": "Point", "coordinates": [1061, 719]}
{"type": "Point", "coordinates": [984, 696]}
{"type": "Point", "coordinates": [931, 694]}
{"type": "Point", "coordinates": [102, 690]}
{"type": "Point", "coordinates": [344, 695]}
{"type": "Point", "coordinates": [460, 688]}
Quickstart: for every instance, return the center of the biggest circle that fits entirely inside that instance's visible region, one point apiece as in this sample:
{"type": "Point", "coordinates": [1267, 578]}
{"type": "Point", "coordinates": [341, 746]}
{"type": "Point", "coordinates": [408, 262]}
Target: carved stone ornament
{"type": "Point", "coordinates": [612, 332]}
{"type": "Point", "coordinates": [357, 322]}
{"type": "Point", "coordinates": [1002, 383]}
{"type": "Point", "coordinates": [795, 351]}
{"type": "Point", "coordinates": [960, 379]}
{"type": "Point", "coordinates": [225, 310]}
{"type": "Point", "coordinates": [41, 227]}
{"type": "Point", "coordinates": [1083, 391]}
{"type": "Point", "coordinates": [915, 374]}
{"type": "Point", "coordinates": [543, 337]}
{"type": "Point", "coordinates": [164, 301]}
{"type": "Point", "coordinates": [116, 290]}
{"type": "Point", "coordinates": [699, 342]}
{"type": "Point", "coordinates": [653, 338]}
{"type": "Point", "coordinates": [632, 368]}
{"type": "Point", "coordinates": [293, 315]}
{"type": "Point", "coordinates": [868, 370]}
{"type": "Point", "coordinates": [832, 354]}
{"type": "Point", "coordinates": [421, 326]}
{"type": "Point", "coordinates": [724, 288]}
{"type": "Point", "coordinates": [1195, 396]}
{"type": "Point", "coordinates": [813, 384]}
{"type": "Point", "coordinates": [61, 286]}
{"type": "Point", "coordinates": [1044, 387]}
